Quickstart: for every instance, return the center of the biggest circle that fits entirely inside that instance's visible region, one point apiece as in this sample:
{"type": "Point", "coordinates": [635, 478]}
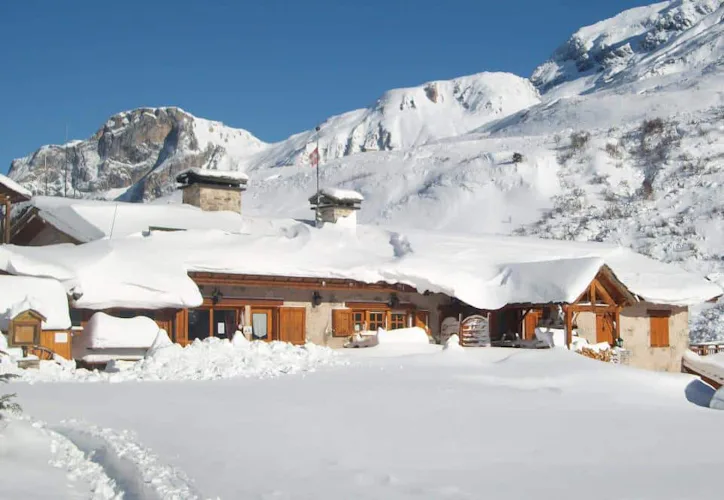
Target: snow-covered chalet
{"type": "Point", "coordinates": [202, 269]}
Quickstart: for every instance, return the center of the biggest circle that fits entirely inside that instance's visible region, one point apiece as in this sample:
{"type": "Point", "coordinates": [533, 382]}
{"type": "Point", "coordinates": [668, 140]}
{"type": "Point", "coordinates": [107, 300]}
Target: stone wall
{"type": "Point", "coordinates": [636, 335]}
{"type": "Point", "coordinates": [213, 198]}
{"type": "Point", "coordinates": [319, 318]}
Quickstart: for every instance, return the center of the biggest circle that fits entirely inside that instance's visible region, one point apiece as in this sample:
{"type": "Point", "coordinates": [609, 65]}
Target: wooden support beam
{"type": "Point", "coordinates": [569, 325]}
{"type": "Point", "coordinates": [601, 291]}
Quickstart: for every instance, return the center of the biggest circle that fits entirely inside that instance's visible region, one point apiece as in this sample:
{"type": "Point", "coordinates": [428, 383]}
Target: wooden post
{"type": "Point", "coordinates": [569, 325]}
{"type": "Point", "coordinates": [6, 228]}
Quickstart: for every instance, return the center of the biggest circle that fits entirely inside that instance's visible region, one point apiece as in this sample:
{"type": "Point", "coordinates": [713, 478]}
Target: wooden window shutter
{"type": "Point", "coordinates": [292, 325]}
{"type": "Point", "coordinates": [342, 325]}
{"type": "Point", "coordinates": [659, 328]}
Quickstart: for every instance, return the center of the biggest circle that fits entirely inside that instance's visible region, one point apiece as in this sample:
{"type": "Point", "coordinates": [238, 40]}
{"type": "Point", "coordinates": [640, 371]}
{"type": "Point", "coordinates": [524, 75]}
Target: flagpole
{"type": "Point", "coordinates": [316, 210]}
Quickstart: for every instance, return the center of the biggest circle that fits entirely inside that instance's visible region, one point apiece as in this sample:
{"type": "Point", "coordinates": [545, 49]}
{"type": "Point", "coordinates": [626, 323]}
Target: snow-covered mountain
{"type": "Point", "coordinates": [621, 135]}
{"type": "Point", "coordinates": [136, 154]}
{"type": "Point", "coordinates": [681, 38]}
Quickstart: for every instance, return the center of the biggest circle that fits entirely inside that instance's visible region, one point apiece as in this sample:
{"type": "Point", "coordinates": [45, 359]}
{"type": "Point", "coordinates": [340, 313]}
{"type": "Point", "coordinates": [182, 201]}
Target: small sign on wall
{"type": "Point", "coordinates": [61, 338]}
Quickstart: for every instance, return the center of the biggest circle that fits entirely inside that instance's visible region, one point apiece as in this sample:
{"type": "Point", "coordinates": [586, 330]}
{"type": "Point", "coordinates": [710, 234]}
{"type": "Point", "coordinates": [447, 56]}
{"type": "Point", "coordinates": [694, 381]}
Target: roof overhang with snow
{"type": "Point", "coordinates": [12, 191]}
{"type": "Point", "coordinates": [487, 272]}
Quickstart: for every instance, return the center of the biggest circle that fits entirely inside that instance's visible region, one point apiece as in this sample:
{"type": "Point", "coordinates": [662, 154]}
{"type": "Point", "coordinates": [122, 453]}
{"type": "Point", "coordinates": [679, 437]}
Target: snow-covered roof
{"type": "Point", "coordinates": [46, 296]}
{"type": "Point", "coordinates": [88, 220]}
{"type": "Point", "coordinates": [231, 176]}
{"type": "Point", "coordinates": [484, 271]}
{"type": "Point", "coordinates": [16, 188]}
{"type": "Point", "coordinates": [342, 194]}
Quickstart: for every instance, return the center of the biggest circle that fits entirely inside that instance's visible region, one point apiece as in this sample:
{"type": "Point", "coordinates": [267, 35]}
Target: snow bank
{"type": "Point", "coordinates": [209, 359]}
{"type": "Point", "coordinates": [106, 332]}
{"type": "Point", "coordinates": [414, 335]}
{"type": "Point", "coordinates": [46, 296]}
{"type": "Point", "coordinates": [453, 344]}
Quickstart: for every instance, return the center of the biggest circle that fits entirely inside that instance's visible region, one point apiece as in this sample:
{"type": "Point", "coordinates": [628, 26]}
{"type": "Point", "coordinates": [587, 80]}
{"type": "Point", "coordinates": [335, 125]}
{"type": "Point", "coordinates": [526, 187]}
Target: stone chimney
{"type": "Point", "coordinates": [212, 190]}
{"type": "Point", "coordinates": [336, 206]}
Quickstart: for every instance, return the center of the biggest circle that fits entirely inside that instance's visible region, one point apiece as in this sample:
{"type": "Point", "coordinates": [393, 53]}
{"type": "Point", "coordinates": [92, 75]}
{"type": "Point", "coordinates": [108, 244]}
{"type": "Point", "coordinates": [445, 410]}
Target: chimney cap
{"type": "Point", "coordinates": [226, 178]}
{"type": "Point", "coordinates": [337, 197]}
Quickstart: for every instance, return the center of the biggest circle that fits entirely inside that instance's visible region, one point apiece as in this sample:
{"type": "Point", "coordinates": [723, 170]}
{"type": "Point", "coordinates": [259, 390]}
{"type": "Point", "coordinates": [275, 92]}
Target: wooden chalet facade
{"type": "Point", "coordinates": [329, 311]}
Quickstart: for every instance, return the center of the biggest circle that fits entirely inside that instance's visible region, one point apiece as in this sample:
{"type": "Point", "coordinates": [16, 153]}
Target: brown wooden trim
{"type": "Point", "coordinates": [378, 306]}
{"type": "Point", "coordinates": [240, 302]}
{"type": "Point", "coordinates": [204, 278]}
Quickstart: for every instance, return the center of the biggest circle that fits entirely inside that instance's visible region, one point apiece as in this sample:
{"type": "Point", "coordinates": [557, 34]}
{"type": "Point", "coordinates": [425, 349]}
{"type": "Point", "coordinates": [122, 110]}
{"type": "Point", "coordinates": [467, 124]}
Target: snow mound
{"type": "Point", "coordinates": [414, 335]}
{"type": "Point", "coordinates": [453, 344]}
{"type": "Point", "coordinates": [104, 331]}
{"type": "Point", "coordinates": [210, 359]}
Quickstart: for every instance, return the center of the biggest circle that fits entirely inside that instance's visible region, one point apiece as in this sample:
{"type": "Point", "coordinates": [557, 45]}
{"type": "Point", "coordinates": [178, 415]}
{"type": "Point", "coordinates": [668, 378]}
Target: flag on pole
{"type": "Point", "coordinates": [314, 157]}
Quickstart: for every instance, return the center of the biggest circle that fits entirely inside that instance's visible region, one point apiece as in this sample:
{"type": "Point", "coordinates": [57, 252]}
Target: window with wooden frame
{"type": "Point", "coordinates": [359, 320]}
{"type": "Point", "coordinates": [398, 320]}
{"type": "Point", "coordinates": [376, 320]}
{"type": "Point", "coordinates": [659, 327]}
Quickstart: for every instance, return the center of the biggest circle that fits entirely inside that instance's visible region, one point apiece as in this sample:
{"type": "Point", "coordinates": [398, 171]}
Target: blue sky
{"type": "Point", "coordinates": [273, 67]}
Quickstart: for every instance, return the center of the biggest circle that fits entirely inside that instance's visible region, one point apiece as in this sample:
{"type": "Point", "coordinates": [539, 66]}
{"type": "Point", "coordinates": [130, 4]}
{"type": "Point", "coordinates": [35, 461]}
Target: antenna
{"type": "Point", "coordinates": [65, 169]}
{"type": "Point", "coordinates": [113, 222]}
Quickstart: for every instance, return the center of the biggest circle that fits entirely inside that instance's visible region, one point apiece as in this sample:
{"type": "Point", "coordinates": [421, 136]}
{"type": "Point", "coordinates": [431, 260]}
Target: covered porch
{"type": "Point", "coordinates": [598, 308]}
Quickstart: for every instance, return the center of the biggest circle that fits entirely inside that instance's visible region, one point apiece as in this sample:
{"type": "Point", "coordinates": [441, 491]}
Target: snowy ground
{"type": "Point", "coordinates": [391, 424]}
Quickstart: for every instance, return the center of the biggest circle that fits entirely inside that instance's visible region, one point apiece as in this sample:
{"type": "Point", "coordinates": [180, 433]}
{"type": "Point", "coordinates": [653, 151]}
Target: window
{"type": "Point", "coordinates": [224, 323]}
{"type": "Point", "coordinates": [398, 320]}
{"type": "Point", "coordinates": [260, 325]}
{"type": "Point", "coordinates": [358, 319]}
{"type": "Point", "coordinates": [659, 328]}
{"type": "Point", "coordinates": [199, 321]}
{"type": "Point", "coordinates": [377, 320]}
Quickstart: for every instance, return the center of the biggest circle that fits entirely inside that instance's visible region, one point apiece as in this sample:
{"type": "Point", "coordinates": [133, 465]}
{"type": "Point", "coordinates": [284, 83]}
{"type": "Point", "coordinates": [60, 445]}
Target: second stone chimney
{"type": "Point", "coordinates": [336, 206]}
{"type": "Point", "coordinates": [212, 190]}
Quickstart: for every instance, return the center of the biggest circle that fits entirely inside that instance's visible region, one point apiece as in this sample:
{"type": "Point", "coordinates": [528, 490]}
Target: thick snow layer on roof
{"type": "Point", "coordinates": [46, 296]}
{"type": "Point", "coordinates": [14, 186]}
{"type": "Point", "coordinates": [87, 220]}
{"type": "Point", "coordinates": [485, 271]}
{"type": "Point", "coordinates": [342, 194]}
{"type": "Point", "coordinates": [233, 175]}
{"type": "Point", "coordinates": [104, 331]}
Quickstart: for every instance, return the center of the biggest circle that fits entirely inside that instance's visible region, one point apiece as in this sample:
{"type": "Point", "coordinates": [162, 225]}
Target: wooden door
{"type": "Point", "coordinates": [262, 323]}
{"type": "Point", "coordinates": [342, 322]}
{"type": "Point", "coordinates": [604, 327]}
{"type": "Point", "coordinates": [292, 325]}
